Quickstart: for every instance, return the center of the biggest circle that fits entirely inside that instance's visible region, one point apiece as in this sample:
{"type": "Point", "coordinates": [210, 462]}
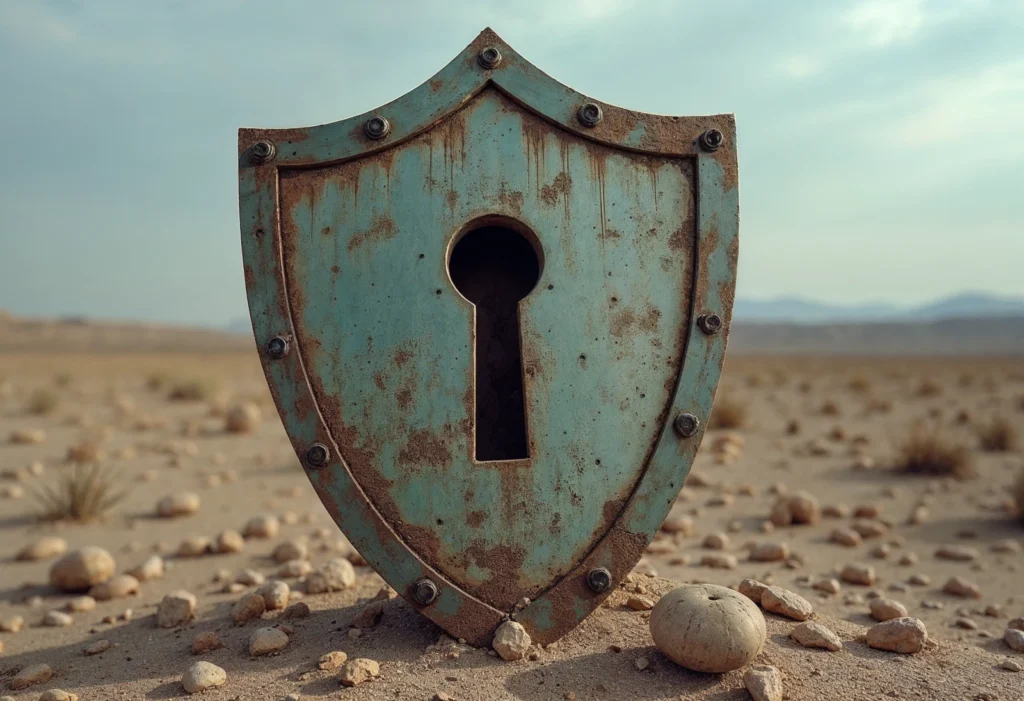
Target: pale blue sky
{"type": "Point", "coordinates": [881, 141]}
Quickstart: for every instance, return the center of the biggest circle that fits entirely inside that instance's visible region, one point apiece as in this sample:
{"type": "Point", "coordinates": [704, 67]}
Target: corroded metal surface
{"type": "Point", "coordinates": [347, 235]}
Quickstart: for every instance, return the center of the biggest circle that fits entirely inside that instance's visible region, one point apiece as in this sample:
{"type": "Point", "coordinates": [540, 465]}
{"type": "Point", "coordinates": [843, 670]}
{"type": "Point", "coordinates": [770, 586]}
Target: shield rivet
{"type": "Point", "coordinates": [599, 579]}
{"type": "Point", "coordinates": [709, 323]}
{"type": "Point", "coordinates": [424, 592]}
{"type": "Point", "coordinates": [712, 140]}
{"type": "Point", "coordinates": [277, 347]}
{"type": "Point", "coordinates": [686, 424]}
{"type": "Point", "coordinates": [590, 114]}
{"type": "Point", "coordinates": [317, 455]}
{"type": "Point", "coordinates": [263, 151]}
{"type": "Point", "coordinates": [489, 57]}
{"type": "Point", "coordinates": [376, 128]}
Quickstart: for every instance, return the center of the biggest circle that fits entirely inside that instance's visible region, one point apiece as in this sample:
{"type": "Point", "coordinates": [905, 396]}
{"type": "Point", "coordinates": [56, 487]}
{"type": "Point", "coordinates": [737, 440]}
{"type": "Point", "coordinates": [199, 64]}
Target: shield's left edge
{"type": "Point", "coordinates": [457, 612]}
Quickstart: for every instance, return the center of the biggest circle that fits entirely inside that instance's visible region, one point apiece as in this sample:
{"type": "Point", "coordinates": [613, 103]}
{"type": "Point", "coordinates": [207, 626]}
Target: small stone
{"type": "Point", "coordinates": [1012, 665]}
{"type": "Point", "coordinates": [870, 529]}
{"type": "Point", "coordinates": [297, 610]}
{"type": "Point", "coordinates": [918, 515]}
{"type": "Point", "coordinates": [641, 663]}
{"type": "Point", "coordinates": [294, 569]}
{"type": "Point", "coordinates": [28, 436]}
{"type": "Point", "coordinates": [716, 541]}
{"type": "Point", "coordinates": [682, 525]}
{"type": "Point", "coordinates": [829, 585]}
{"type": "Point", "coordinates": [152, 568]}
{"type": "Point", "coordinates": [846, 537]}
{"type": "Point", "coordinates": [369, 615]}
{"type": "Point", "coordinates": [966, 623]}
{"type": "Point", "coordinates": [263, 526]}
{"type": "Point", "coordinates": [786, 603]}
{"type": "Point", "coordinates": [335, 575]}
{"type": "Point", "coordinates": [202, 676]}
{"type": "Point", "coordinates": [290, 550]}
{"type": "Point", "coordinates": [908, 559]}
{"type": "Point", "coordinates": [332, 660]}
{"type": "Point", "coordinates": [80, 604]}
{"type": "Point", "coordinates": [179, 504]}
{"type": "Point", "coordinates": [250, 578]}
{"type": "Point", "coordinates": [57, 695]}
{"type": "Point", "coordinates": [1007, 546]}
{"type": "Point", "coordinates": [81, 569]}
{"type": "Point", "coordinates": [97, 647]}
{"type": "Point", "coordinates": [195, 546]}
{"type": "Point", "coordinates": [958, 586]}
{"type": "Point", "coordinates": [1014, 638]}
{"type": "Point", "coordinates": [266, 641]}
{"type": "Point", "coordinates": [229, 541]}
{"type": "Point", "coordinates": [902, 635]}
{"type": "Point", "coordinates": [57, 619]}
{"type": "Point", "coordinates": [763, 682]}
{"type": "Point", "coordinates": [359, 670]}
{"type": "Point", "coordinates": [957, 553]}
{"type": "Point", "coordinates": [176, 609]}
{"type": "Point", "coordinates": [919, 579]}
{"type": "Point", "coordinates": [511, 641]}
{"type": "Point", "coordinates": [11, 623]}
{"type": "Point", "coordinates": [44, 548]}
{"type": "Point", "coordinates": [769, 551]}
{"type": "Point", "coordinates": [858, 574]}
{"type": "Point", "coordinates": [753, 589]}
{"type": "Point", "coordinates": [720, 561]}
{"type": "Point", "coordinates": [883, 609]}
{"type": "Point", "coordinates": [249, 607]}
{"type": "Point", "coordinates": [117, 587]}
{"type": "Point", "coordinates": [33, 674]}
{"type": "Point", "coordinates": [812, 634]}
{"type": "Point", "coordinates": [206, 642]}
{"type": "Point", "coordinates": [243, 418]}
{"type": "Point", "coordinates": [640, 603]}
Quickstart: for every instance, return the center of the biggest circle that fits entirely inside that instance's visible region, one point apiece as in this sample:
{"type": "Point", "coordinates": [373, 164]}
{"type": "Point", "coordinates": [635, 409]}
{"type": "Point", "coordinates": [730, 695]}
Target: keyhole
{"type": "Point", "coordinates": [494, 267]}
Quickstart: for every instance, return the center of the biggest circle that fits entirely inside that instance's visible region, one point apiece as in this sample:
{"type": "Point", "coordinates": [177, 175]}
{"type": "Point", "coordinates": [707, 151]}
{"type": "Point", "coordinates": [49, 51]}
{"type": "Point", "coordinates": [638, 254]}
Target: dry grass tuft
{"type": "Point", "coordinates": [85, 451]}
{"type": "Point", "coordinates": [998, 436]}
{"type": "Point", "coordinates": [929, 388]}
{"type": "Point", "coordinates": [728, 412]}
{"type": "Point", "coordinates": [829, 408]}
{"type": "Point", "coordinates": [192, 390]}
{"type": "Point", "coordinates": [82, 494]}
{"type": "Point", "coordinates": [928, 452]}
{"type": "Point", "coordinates": [860, 384]}
{"type": "Point", "coordinates": [42, 401]}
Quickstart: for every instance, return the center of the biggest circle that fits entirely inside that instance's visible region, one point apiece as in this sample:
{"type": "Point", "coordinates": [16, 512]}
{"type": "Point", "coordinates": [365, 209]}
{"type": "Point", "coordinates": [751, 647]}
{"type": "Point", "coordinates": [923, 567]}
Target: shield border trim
{"type": "Point", "coordinates": [565, 604]}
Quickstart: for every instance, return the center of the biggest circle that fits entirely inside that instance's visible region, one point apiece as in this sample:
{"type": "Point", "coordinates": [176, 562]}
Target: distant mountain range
{"type": "Point", "coordinates": [798, 310]}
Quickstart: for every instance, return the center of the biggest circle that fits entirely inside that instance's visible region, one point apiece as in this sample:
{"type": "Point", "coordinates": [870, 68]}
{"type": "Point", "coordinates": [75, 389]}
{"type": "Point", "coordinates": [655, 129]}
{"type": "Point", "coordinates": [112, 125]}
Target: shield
{"type": "Point", "coordinates": [493, 314]}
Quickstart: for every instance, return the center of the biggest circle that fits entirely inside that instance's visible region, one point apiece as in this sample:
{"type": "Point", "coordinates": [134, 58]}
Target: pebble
{"type": "Point", "coordinates": [250, 578]}
{"type": "Point", "coordinates": [249, 607]}
{"type": "Point", "coordinates": [958, 586]}
{"type": "Point", "coordinates": [335, 575]}
{"type": "Point", "coordinates": [11, 623]}
{"type": "Point", "coordinates": [44, 548]}
{"type": "Point", "coordinates": [769, 551]}
{"type": "Point", "coordinates": [870, 529]}
{"type": "Point", "coordinates": [243, 418]}
{"type": "Point", "coordinates": [81, 569]}
{"type": "Point", "coordinates": [117, 587]}
{"type": "Point", "coordinates": [858, 574]}
{"type": "Point", "coordinates": [290, 550]}
{"type": "Point", "coordinates": [804, 508]}
{"type": "Point", "coordinates": [297, 610]}
{"type": "Point", "coordinates": [786, 603]}
{"type": "Point", "coordinates": [919, 579]}
{"type": "Point", "coordinates": [202, 676]}
{"type": "Point", "coordinates": [752, 589]}
{"type": "Point", "coordinates": [57, 695]}
{"type": "Point", "coordinates": [966, 623]}
{"type": "Point", "coordinates": [332, 660]}
{"type": "Point", "coordinates": [178, 504]}
{"type": "Point", "coordinates": [1012, 665]}
{"type": "Point", "coordinates": [641, 663]}
{"type": "Point", "coordinates": [151, 568]}
{"type": "Point", "coordinates": [266, 641]}
{"type": "Point", "coordinates": [194, 546]}
{"type": "Point", "coordinates": [1016, 623]}
{"type": "Point", "coordinates": [763, 682]}
{"type": "Point", "coordinates": [263, 526]}
{"type": "Point", "coordinates": [829, 585]}
{"type": "Point", "coordinates": [902, 635]}
{"type": "Point", "coordinates": [176, 609]}
{"type": "Point", "coordinates": [294, 569]}
{"type": "Point", "coordinates": [846, 537]}
{"type": "Point", "coordinates": [57, 619]}
{"type": "Point", "coordinates": [229, 541]}
{"type": "Point", "coordinates": [275, 595]}
{"type": "Point", "coordinates": [27, 436]}
{"type": "Point", "coordinates": [1014, 638]}
{"type": "Point", "coordinates": [716, 541]}
{"type": "Point", "coordinates": [1007, 546]}
{"type": "Point", "coordinates": [511, 641]}
{"type": "Point", "coordinates": [206, 642]}
{"type": "Point", "coordinates": [97, 647]}
{"type": "Point", "coordinates": [812, 634]}
{"type": "Point", "coordinates": [682, 525]}
{"type": "Point", "coordinates": [359, 670]}
{"type": "Point", "coordinates": [957, 553]}
{"type": "Point", "coordinates": [80, 604]}
{"type": "Point", "coordinates": [33, 674]}
{"type": "Point", "coordinates": [908, 559]}
{"type": "Point", "coordinates": [720, 561]}
{"type": "Point", "coordinates": [883, 609]}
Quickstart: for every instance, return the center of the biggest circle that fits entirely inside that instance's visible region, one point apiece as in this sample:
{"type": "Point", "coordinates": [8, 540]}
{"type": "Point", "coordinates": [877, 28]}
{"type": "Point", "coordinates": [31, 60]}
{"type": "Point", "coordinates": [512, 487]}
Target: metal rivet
{"type": "Point", "coordinates": [317, 455]}
{"type": "Point", "coordinates": [424, 592]}
{"type": "Point", "coordinates": [712, 140]}
{"type": "Point", "coordinates": [590, 114]}
{"type": "Point", "coordinates": [686, 424]}
{"type": "Point", "coordinates": [709, 323]}
{"type": "Point", "coordinates": [277, 347]}
{"type": "Point", "coordinates": [376, 128]}
{"type": "Point", "coordinates": [263, 151]}
{"type": "Point", "coordinates": [489, 57]}
{"type": "Point", "coordinates": [599, 579]}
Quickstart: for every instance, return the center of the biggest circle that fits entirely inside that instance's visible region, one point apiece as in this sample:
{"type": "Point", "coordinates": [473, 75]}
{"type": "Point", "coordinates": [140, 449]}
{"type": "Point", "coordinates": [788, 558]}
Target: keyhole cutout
{"type": "Point", "coordinates": [494, 267]}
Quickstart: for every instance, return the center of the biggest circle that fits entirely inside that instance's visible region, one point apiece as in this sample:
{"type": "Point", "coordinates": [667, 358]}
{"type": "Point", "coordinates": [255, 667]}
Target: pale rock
{"type": "Point", "coordinates": [813, 634]}
{"type": "Point", "coordinates": [43, 548]}
{"type": "Point", "coordinates": [290, 550]}
{"type": "Point", "coordinates": [903, 635]}
{"type": "Point", "coordinates": [769, 551]}
{"type": "Point", "coordinates": [194, 546]}
{"type": "Point", "coordinates": [786, 603]}
{"type": "Point", "coordinates": [81, 569]}
{"type": "Point", "coordinates": [357, 671]}
{"type": "Point", "coordinates": [275, 595]}
{"type": "Point", "coordinates": [178, 504]}
{"type": "Point", "coordinates": [804, 508]}
{"type": "Point", "coordinates": [883, 609]}
{"type": "Point", "coordinates": [176, 608]}
{"type": "Point", "coordinates": [369, 615]}
{"type": "Point", "coordinates": [846, 537]}
{"type": "Point", "coordinates": [682, 525]}
{"type": "Point", "coordinates": [332, 660]}
{"type": "Point", "coordinates": [266, 641]}
{"type": "Point", "coordinates": [828, 585]}
{"type": "Point", "coordinates": [81, 604]}
{"type": "Point", "coordinates": [335, 575]}
{"type": "Point", "coordinates": [243, 418]}
{"type": "Point", "coordinates": [719, 561]}
{"type": "Point", "coordinates": [716, 541]}
{"type": "Point", "coordinates": [297, 610]}
{"type": "Point", "coordinates": [752, 589]}
{"type": "Point", "coordinates": [11, 623]}
{"type": "Point", "coordinates": [763, 682]}
{"type": "Point", "coordinates": [57, 619]}
{"type": "Point", "coordinates": [203, 675]}
{"type": "Point", "coordinates": [151, 568]}
{"type": "Point", "coordinates": [511, 641]}
{"type": "Point", "coordinates": [1014, 638]}
{"type": "Point", "coordinates": [1008, 664]}
{"type": "Point", "coordinates": [858, 574]}
{"type": "Point", "coordinates": [294, 569]}
{"type": "Point", "coordinates": [206, 641]}
{"type": "Point", "coordinates": [958, 586]}
{"type": "Point", "coordinates": [97, 647]}
{"type": "Point", "coordinates": [639, 603]}
{"type": "Point", "coordinates": [1007, 546]}
{"type": "Point", "coordinates": [263, 526]}
{"type": "Point", "coordinates": [117, 587]}
{"type": "Point", "coordinates": [1016, 623]}
{"type": "Point", "coordinates": [250, 578]}
{"type": "Point", "coordinates": [957, 553]}
{"type": "Point", "coordinates": [33, 674]}
{"type": "Point", "coordinates": [249, 607]}
{"type": "Point", "coordinates": [28, 436]}
{"type": "Point", "coordinates": [57, 695]}
{"type": "Point", "coordinates": [228, 541]}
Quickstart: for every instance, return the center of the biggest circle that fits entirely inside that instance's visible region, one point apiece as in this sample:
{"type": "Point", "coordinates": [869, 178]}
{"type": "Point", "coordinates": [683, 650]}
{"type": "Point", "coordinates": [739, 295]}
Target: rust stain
{"type": "Point", "coordinates": [402, 356]}
{"type": "Point", "coordinates": [424, 448]}
{"type": "Point", "coordinates": [381, 229]}
{"type": "Point", "coordinates": [475, 519]}
{"type": "Point", "coordinates": [561, 186]}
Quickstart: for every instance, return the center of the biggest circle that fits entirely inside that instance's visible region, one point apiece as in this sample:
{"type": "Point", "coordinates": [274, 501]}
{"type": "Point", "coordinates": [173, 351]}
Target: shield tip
{"type": "Point", "coordinates": [489, 34]}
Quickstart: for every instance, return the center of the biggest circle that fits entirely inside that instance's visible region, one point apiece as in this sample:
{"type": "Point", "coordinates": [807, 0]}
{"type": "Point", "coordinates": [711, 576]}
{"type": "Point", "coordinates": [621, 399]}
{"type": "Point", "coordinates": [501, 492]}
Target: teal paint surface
{"type": "Point", "coordinates": [352, 265]}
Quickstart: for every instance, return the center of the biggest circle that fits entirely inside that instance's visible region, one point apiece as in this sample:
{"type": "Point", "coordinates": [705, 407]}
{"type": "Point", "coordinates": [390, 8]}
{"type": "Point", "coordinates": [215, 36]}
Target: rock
{"type": "Point", "coordinates": [335, 575]}
{"type": "Point", "coordinates": [958, 586]}
{"type": "Point", "coordinates": [511, 641]}
{"type": "Point", "coordinates": [804, 508]}
{"type": "Point", "coordinates": [28, 436]}
{"type": "Point", "coordinates": [11, 623]}
{"type": "Point", "coordinates": [202, 676]}
{"type": "Point", "coordinates": [81, 569]}
{"type": "Point", "coordinates": [752, 589]}
{"type": "Point", "coordinates": [151, 568]}
{"type": "Point", "coordinates": [858, 574]}
{"type": "Point", "coordinates": [117, 587]}
{"type": "Point", "coordinates": [57, 619]}
{"type": "Point", "coordinates": [716, 541]}
{"type": "Point", "coordinates": [1014, 638]}
{"type": "Point", "coordinates": [179, 504]}
{"type": "Point", "coordinates": [297, 610]}
{"type": "Point", "coordinates": [80, 604]}
{"type": "Point", "coordinates": [194, 546]}
{"type": "Point", "coordinates": [1012, 665]}
{"type": "Point", "coordinates": [640, 603]}
{"type": "Point", "coordinates": [708, 628]}
{"type": "Point", "coordinates": [249, 607]}
{"type": "Point", "coordinates": [769, 551]}
{"type": "Point", "coordinates": [97, 647]}
{"type": "Point", "coordinates": [266, 641]}
{"type": "Point", "coordinates": [290, 550]}
{"type": "Point", "coordinates": [33, 674]}
{"type": "Point", "coordinates": [43, 548]}
{"type": "Point", "coordinates": [57, 695]}
{"type": "Point", "coordinates": [919, 579]}
{"type": "Point", "coordinates": [243, 418]}
{"type": "Point", "coordinates": [846, 537]}
{"type": "Point", "coordinates": [206, 642]}
{"type": "Point", "coordinates": [641, 663]}
{"type": "Point", "coordinates": [786, 603]}
{"type": "Point", "coordinates": [870, 529]}
{"type": "Point", "coordinates": [883, 609]}
{"type": "Point", "coordinates": [903, 635]}
{"type": "Point", "coordinates": [369, 615]}
{"type": "Point", "coordinates": [1007, 546]}
{"type": "Point", "coordinates": [332, 660]}
{"type": "Point", "coordinates": [763, 682]}
{"type": "Point", "coordinates": [176, 609]}
{"type": "Point", "coordinates": [720, 561]}
{"type": "Point", "coordinates": [1016, 623]}
{"type": "Point", "coordinates": [275, 595]}
{"type": "Point", "coordinates": [966, 623]}
{"type": "Point", "coordinates": [359, 670]}
{"type": "Point", "coordinates": [294, 569]}
{"type": "Point", "coordinates": [829, 585]}
{"type": "Point", "coordinates": [682, 525]}
{"type": "Point", "coordinates": [957, 553]}
{"type": "Point", "coordinates": [812, 634]}
{"type": "Point", "coordinates": [250, 578]}
{"type": "Point", "coordinates": [263, 526]}
{"type": "Point", "coordinates": [228, 541]}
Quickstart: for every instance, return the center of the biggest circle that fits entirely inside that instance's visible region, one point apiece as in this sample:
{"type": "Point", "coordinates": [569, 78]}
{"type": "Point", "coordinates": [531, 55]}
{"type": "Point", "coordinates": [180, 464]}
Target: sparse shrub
{"type": "Point", "coordinates": [793, 427]}
{"type": "Point", "coordinates": [86, 451]}
{"type": "Point", "coordinates": [927, 452]}
{"type": "Point", "coordinates": [158, 380]}
{"type": "Point", "coordinates": [860, 384]}
{"type": "Point", "coordinates": [42, 401]}
{"type": "Point", "coordinates": [191, 390]}
{"type": "Point", "coordinates": [83, 493]}
{"type": "Point", "coordinates": [997, 436]}
{"type": "Point", "coordinates": [879, 406]}
{"type": "Point", "coordinates": [829, 408]}
{"type": "Point", "coordinates": [728, 412]}
{"type": "Point", "coordinates": [963, 417]}
{"type": "Point", "coordinates": [755, 381]}
{"type": "Point", "coordinates": [966, 379]}
{"type": "Point", "coordinates": [929, 388]}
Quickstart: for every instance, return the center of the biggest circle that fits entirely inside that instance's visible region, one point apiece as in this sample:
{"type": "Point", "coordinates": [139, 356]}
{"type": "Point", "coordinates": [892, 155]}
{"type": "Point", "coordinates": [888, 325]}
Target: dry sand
{"type": "Point", "coordinates": [159, 447]}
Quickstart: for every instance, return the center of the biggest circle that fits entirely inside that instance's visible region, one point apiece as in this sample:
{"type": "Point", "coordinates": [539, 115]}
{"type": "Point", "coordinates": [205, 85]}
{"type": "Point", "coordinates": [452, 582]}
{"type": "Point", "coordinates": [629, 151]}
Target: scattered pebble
{"type": "Point", "coordinates": [176, 609]}
{"type": "Point", "coordinates": [249, 607]}
{"type": "Point", "coordinates": [716, 541]}
{"type": "Point", "coordinates": [178, 504]}
{"type": "Point", "coordinates": [335, 575]}
{"type": "Point", "coordinates": [957, 553]}
{"type": "Point", "coordinates": [763, 682]}
{"type": "Point", "coordinates": [332, 660]}
{"type": "Point", "coordinates": [81, 569]}
{"type": "Point", "coordinates": [883, 609]}
{"type": "Point", "coordinates": [1014, 638]}
{"type": "Point", "coordinates": [958, 586]}
{"type": "Point", "coordinates": [846, 537]}
{"type": "Point", "coordinates": [97, 647]}
{"type": "Point", "coordinates": [263, 526]}
{"type": "Point", "coordinates": [511, 641]}
{"type": "Point", "coordinates": [290, 550]}
{"type": "Point", "coordinates": [902, 635]}
{"type": "Point", "coordinates": [786, 603]}
{"type": "Point", "coordinates": [769, 551]}
{"type": "Point", "coordinates": [206, 642]}
{"type": "Point", "coordinates": [202, 676]}
{"type": "Point", "coordinates": [57, 695]}
{"type": "Point", "coordinates": [266, 641]}
{"type": "Point", "coordinates": [297, 610]}
{"type": "Point", "coordinates": [43, 548]}
{"type": "Point", "coordinates": [57, 619]}
{"type": "Point", "coordinates": [1012, 665]}
{"type": "Point", "coordinates": [858, 574]}
{"type": "Point", "coordinates": [243, 418]}
{"type": "Point", "coordinates": [229, 541]}
{"type": "Point", "coordinates": [80, 604]}
{"type": "Point", "coordinates": [194, 546]}
{"type": "Point", "coordinates": [11, 623]}
{"type": "Point", "coordinates": [151, 568]}
{"type": "Point", "coordinates": [33, 674]}
{"type": "Point", "coordinates": [719, 561]}
{"type": "Point", "coordinates": [357, 671]}
{"type": "Point", "coordinates": [812, 634]}
{"type": "Point", "coordinates": [829, 585]}
{"type": "Point", "coordinates": [117, 587]}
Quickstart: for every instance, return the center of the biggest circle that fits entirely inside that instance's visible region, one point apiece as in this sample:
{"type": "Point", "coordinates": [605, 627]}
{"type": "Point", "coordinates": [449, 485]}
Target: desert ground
{"type": "Point", "coordinates": [832, 432]}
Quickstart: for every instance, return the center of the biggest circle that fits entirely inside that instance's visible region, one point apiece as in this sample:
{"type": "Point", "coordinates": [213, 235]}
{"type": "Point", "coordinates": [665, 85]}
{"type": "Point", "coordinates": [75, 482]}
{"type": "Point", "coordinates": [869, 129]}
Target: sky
{"type": "Point", "coordinates": [881, 142]}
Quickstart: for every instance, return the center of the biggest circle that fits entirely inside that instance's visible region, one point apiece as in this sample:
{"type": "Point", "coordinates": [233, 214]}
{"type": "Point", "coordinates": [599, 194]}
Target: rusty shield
{"type": "Point", "coordinates": [493, 315]}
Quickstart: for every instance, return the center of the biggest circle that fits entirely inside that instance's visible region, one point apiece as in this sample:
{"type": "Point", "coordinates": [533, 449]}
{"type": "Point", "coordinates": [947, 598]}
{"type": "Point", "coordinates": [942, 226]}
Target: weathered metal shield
{"type": "Point", "coordinates": [375, 354]}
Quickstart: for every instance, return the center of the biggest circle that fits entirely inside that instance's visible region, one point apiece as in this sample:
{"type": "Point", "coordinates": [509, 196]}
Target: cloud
{"type": "Point", "coordinates": [884, 22]}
